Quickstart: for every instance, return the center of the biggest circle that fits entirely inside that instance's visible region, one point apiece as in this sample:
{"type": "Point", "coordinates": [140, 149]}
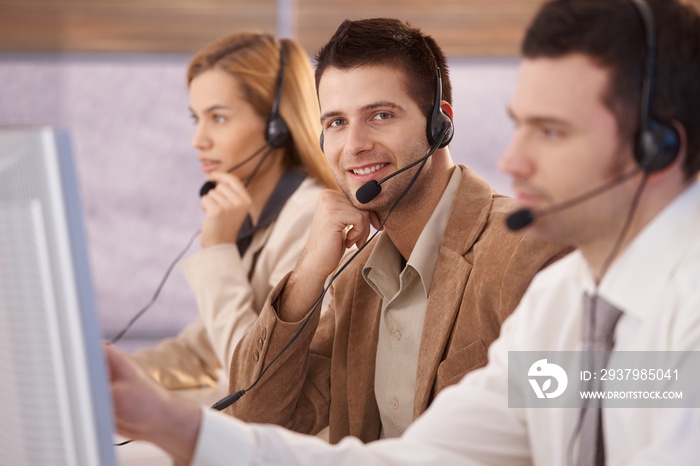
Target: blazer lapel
{"type": "Point", "coordinates": [363, 413]}
{"type": "Point", "coordinates": [468, 217]}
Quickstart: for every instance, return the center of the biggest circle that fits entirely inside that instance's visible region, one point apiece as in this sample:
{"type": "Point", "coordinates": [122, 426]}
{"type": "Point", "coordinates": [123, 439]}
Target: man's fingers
{"type": "Point", "coordinates": [359, 232]}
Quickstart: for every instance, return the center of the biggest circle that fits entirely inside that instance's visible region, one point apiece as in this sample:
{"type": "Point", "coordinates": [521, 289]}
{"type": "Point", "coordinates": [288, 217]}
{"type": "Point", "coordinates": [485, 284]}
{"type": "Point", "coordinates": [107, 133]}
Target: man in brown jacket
{"type": "Point", "coordinates": [418, 307]}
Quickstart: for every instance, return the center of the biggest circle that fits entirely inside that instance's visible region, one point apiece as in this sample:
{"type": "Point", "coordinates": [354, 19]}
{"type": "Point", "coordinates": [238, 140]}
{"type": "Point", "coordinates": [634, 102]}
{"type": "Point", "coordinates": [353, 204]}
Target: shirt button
{"type": "Point", "coordinates": [394, 405]}
{"type": "Point", "coordinates": [256, 355]}
{"type": "Point", "coordinates": [260, 343]}
{"type": "Point", "coordinates": [397, 335]}
{"type": "Point", "coordinates": [264, 333]}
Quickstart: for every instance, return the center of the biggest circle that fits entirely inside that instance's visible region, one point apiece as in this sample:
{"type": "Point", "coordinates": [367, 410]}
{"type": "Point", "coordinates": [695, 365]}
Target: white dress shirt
{"type": "Point", "coordinates": [655, 282]}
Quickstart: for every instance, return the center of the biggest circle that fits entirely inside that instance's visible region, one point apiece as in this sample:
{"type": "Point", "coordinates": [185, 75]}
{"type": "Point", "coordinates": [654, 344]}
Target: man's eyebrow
{"type": "Point", "coordinates": [539, 119]}
{"type": "Point", "coordinates": [372, 106]}
{"type": "Point", "coordinates": [332, 114]}
{"type": "Point", "coordinates": [382, 104]}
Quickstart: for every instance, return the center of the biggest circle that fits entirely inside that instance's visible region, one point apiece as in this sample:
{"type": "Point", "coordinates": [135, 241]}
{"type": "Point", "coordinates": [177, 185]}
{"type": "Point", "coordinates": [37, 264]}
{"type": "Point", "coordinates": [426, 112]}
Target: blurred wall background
{"type": "Point", "coordinates": [112, 72]}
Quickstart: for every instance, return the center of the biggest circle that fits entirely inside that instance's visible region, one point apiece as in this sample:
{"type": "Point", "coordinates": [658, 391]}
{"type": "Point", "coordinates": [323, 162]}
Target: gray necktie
{"type": "Point", "coordinates": [599, 320]}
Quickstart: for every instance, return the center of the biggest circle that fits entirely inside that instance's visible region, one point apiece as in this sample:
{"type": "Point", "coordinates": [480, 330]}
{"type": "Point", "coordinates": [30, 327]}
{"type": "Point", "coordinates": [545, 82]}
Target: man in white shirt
{"type": "Point", "coordinates": [593, 170]}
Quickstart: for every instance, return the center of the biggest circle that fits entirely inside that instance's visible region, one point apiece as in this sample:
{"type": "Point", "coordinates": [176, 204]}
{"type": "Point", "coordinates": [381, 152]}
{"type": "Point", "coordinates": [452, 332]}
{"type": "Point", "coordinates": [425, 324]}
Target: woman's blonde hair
{"type": "Point", "coordinates": [253, 59]}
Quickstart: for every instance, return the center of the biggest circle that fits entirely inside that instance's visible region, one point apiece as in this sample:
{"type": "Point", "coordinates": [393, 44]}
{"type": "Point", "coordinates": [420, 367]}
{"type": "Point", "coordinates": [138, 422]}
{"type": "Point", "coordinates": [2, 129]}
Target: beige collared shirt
{"type": "Point", "coordinates": [404, 296]}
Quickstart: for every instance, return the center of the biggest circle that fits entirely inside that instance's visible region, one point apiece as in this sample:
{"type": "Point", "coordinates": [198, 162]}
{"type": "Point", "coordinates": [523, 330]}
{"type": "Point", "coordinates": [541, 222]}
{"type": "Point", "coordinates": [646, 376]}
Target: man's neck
{"type": "Point", "coordinates": [409, 218]}
{"type": "Point", "coordinates": [600, 252]}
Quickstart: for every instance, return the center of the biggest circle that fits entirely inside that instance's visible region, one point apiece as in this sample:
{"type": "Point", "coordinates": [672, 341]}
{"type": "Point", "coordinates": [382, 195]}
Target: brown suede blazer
{"type": "Point", "coordinates": [326, 377]}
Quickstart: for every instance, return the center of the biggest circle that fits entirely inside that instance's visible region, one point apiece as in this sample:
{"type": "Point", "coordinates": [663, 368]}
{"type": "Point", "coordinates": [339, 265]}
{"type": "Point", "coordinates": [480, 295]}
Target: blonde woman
{"type": "Point", "coordinates": [253, 102]}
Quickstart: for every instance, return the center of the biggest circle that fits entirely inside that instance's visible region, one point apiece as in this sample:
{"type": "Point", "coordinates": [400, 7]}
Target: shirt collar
{"type": "Point", "coordinates": [647, 265]}
{"type": "Point", "coordinates": [384, 262]}
{"type": "Point", "coordinates": [383, 267]}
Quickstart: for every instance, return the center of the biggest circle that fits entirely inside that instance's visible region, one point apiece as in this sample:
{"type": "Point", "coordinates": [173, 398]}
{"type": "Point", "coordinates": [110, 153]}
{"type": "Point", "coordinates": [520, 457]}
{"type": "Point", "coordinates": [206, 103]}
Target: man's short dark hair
{"type": "Point", "coordinates": [389, 42]}
{"type": "Point", "coordinates": [612, 34]}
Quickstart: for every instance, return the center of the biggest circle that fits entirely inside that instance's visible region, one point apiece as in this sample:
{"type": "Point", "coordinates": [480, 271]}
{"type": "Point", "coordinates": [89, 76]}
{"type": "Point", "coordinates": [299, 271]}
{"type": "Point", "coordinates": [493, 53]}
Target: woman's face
{"type": "Point", "coordinates": [227, 128]}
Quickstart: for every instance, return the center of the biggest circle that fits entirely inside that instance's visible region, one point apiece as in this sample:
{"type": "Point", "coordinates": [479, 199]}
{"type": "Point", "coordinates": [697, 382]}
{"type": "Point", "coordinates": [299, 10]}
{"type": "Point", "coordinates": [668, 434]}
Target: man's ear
{"type": "Point", "coordinates": [447, 109]}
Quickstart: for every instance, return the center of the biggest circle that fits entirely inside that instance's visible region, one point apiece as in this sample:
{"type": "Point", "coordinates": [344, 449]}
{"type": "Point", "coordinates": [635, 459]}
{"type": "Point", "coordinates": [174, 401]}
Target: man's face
{"type": "Point", "coordinates": [566, 143]}
{"type": "Point", "coordinates": [371, 128]}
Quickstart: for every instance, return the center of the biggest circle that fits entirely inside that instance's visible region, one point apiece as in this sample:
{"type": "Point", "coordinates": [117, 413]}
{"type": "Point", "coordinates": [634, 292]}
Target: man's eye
{"type": "Point", "coordinates": [551, 133]}
{"type": "Point", "coordinates": [382, 116]}
{"type": "Point", "coordinates": [335, 123]}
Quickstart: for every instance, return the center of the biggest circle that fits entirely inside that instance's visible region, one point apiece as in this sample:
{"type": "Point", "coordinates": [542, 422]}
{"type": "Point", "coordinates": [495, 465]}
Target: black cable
{"type": "Point", "coordinates": [179, 256]}
{"type": "Point", "coordinates": [625, 228]}
{"type": "Point", "coordinates": [131, 322]}
{"type": "Point", "coordinates": [248, 180]}
{"type": "Point", "coordinates": [232, 398]}
{"type": "Point", "coordinates": [257, 167]}
{"type": "Point", "coordinates": [126, 328]}
{"type": "Point", "coordinates": [608, 261]}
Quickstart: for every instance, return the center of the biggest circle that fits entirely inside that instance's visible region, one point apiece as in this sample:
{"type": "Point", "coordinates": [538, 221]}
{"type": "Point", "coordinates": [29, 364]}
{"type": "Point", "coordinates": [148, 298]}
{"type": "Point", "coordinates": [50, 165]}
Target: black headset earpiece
{"type": "Point", "coordinates": [277, 132]}
{"type": "Point", "coordinates": [438, 121]}
{"type": "Point", "coordinates": [657, 143]}
{"type": "Point", "coordinates": [657, 146]}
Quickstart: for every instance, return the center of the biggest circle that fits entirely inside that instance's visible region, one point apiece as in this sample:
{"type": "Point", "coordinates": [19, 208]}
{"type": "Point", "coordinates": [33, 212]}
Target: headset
{"type": "Point", "coordinates": [277, 135]}
{"type": "Point", "coordinates": [657, 143]}
{"type": "Point", "coordinates": [656, 146]}
{"type": "Point", "coordinates": [277, 132]}
{"type": "Point", "coordinates": [439, 125]}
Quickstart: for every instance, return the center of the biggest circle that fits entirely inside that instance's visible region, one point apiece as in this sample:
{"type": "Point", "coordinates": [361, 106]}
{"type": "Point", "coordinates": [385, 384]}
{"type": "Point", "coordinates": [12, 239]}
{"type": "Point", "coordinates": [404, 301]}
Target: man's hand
{"type": "Point", "coordinates": [144, 410]}
{"type": "Point", "coordinates": [336, 226]}
{"type": "Point", "coordinates": [225, 208]}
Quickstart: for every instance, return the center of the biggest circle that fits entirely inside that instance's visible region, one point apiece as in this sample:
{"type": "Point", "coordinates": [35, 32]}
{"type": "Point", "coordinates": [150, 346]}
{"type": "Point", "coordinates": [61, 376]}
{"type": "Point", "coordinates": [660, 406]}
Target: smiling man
{"type": "Point", "coordinates": [600, 164]}
{"type": "Point", "coordinates": [419, 306]}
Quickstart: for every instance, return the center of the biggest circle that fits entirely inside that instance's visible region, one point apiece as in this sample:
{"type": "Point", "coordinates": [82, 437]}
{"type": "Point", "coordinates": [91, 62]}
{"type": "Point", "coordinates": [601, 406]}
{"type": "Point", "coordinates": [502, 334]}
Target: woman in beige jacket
{"type": "Point", "coordinates": [253, 101]}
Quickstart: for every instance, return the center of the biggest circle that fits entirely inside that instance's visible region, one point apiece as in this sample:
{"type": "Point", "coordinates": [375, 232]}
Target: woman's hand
{"type": "Point", "coordinates": [225, 208]}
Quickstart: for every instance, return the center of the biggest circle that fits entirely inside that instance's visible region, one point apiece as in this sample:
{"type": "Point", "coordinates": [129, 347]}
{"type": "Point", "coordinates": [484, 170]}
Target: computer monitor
{"type": "Point", "coordinates": [55, 407]}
